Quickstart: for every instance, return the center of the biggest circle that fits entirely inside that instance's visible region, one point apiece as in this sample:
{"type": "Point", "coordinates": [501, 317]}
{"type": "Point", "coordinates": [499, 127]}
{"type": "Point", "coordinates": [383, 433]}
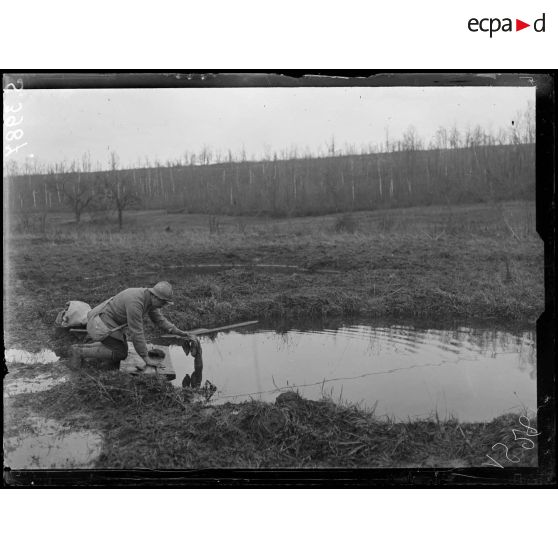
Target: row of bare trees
{"type": "Point", "coordinates": [294, 187]}
{"type": "Point", "coordinates": [75, 187]}
{"type": "Point", "coordinates": [455, 167]}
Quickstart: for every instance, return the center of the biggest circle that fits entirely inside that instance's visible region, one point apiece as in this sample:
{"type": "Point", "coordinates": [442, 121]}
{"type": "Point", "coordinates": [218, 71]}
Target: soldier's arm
{"type": "Point", "coordinates": [134, 314]}
{"type": "Point", "coordinates": [156, 316]}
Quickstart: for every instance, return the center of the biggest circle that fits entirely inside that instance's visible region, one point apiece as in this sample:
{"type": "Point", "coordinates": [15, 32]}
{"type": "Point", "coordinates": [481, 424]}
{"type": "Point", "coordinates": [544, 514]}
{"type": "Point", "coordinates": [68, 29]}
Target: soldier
{"type": "Point", "coordinates": [106, 323]}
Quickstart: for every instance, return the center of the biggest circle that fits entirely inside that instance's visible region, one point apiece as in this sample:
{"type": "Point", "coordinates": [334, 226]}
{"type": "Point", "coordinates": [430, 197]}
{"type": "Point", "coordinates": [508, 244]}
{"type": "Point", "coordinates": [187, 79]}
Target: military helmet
{"type": "Point", "coordinates": [162, 290]}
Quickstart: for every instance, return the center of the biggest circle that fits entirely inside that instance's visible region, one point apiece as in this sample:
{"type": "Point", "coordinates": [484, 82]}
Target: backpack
{"type": "Point", "coordinates": [73, 315]}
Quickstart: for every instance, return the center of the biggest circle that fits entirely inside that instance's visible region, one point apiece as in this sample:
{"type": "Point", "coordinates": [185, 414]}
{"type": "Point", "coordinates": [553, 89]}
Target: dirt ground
{"type": "Point", "coordinates": [458, 262]}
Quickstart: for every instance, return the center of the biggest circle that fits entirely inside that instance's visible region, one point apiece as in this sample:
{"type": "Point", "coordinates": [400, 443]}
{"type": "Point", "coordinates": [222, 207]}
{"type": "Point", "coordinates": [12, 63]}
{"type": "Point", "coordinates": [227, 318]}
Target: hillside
{"type": "Point", "coordinates": [297, 186]}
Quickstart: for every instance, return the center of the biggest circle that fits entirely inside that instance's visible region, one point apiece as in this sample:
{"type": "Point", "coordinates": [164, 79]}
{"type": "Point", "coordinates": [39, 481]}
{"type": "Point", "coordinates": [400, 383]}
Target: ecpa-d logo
{"type": "Point", "coordinates": [494, 24]}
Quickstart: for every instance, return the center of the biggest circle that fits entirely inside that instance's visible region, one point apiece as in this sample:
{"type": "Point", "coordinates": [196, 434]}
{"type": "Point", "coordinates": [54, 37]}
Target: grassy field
{"type": "Point", "coordinates": [481, 261]}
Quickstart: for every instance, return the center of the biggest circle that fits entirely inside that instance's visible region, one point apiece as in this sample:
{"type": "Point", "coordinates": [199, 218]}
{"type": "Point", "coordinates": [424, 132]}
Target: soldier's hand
{"type": "Point", "coordinates": [152, 362]}
{"type": "Point", "coordinates": [189, 337]}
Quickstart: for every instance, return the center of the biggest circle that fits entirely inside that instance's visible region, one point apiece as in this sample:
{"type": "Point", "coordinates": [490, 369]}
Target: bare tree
{"type": "Point", "coordinates": [205, 155]}
{"type": "Point", "coordinates": [331, 147]}
{"type": "Point", "coordinates": [76, 184]}
{"type": "Point", "coordinates": [118, 188]}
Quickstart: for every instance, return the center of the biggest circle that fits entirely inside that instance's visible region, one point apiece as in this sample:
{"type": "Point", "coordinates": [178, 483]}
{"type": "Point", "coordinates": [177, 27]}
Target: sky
{"type": "Point", "coordinates": [163, 124]}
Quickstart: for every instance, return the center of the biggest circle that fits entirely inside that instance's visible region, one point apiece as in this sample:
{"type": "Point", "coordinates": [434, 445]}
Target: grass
{"type": "Point", "coordinates": [443, 262]}
{"type": "Point", "coordinates": [460, 262]}
{"type": "Point", "coordinates": [148, 424]}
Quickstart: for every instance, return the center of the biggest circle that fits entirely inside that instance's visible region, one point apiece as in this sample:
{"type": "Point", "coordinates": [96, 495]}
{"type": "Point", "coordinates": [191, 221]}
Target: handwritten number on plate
{"type": "Point", "coordinates": [14, 134]}
{"type": "Point", "coordinates": [10, 150]}
{"type": "Point", "coordinates": [507, 456]}
{"type": "Point", "coordinates": [528, 426]}
{"type": "Point", "coordinates": [10, 122]}
{"type": "Point", "coordinates": [526, 439]}
{"type": "Point", "coordinates": [10, 108]}
{"type": "Point", "coordinates": [12, 85]}
{"type": "Point", "coordinates": [494, 460]}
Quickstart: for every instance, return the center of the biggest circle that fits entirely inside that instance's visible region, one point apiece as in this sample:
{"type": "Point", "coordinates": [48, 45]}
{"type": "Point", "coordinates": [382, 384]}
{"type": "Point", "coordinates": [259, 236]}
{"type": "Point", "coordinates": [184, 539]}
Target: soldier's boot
{"type": "Point", "coordinates": [91, 350]}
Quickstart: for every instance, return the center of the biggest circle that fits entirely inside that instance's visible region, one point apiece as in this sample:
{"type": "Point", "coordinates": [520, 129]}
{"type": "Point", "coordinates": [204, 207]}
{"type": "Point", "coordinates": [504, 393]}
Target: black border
{"type": "Point", "coordinates": [543, 475]}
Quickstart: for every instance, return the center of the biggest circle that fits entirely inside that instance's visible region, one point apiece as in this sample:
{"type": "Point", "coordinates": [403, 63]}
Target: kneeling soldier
{"type": "Point", "coordinates": [106, 322]}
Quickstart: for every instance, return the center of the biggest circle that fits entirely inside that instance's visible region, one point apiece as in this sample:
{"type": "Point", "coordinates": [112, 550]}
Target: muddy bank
{"type": "Point", "coordinates": [32, 438]}
{"type": "Point", "coordinates": [147, 423]}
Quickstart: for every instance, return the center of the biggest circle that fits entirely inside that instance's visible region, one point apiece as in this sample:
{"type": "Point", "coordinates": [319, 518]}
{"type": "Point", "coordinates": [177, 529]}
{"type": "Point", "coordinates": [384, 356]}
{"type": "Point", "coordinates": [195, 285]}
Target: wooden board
{"type": "Point", "coordinates": [133, 360]}
{"type": "Point", "coordinates": [204, 331]}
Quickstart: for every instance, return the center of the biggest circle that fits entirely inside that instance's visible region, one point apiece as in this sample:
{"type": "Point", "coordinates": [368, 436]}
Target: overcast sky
{"type": "Point", "coordinates": [164, 123]}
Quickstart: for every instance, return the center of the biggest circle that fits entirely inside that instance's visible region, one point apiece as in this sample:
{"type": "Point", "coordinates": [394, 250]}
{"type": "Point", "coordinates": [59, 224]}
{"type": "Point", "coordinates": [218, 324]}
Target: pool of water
{"type": "Point", "coordinates": [47, 444]}
{"type": "Point", "coordinates": [44, 356]}
{"type": "Point", "coordinates": [14, 385]}
{"type": "Point", "coordinates": [473, 373]}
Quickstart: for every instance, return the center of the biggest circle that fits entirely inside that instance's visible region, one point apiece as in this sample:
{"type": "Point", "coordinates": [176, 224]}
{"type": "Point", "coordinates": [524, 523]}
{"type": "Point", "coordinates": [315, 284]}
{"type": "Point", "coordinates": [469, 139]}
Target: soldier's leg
{"type": "Point", "coordinates": [111, 349]}
{"type": "Point", "coordinates": [90, 350]}
{"type": "Point", "coordinates": [118, 346]}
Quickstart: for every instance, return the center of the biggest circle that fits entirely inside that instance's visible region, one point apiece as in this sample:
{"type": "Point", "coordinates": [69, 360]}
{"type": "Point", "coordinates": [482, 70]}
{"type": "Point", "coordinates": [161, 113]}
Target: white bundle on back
{"type": "Point", "coordinates": [74, 315]}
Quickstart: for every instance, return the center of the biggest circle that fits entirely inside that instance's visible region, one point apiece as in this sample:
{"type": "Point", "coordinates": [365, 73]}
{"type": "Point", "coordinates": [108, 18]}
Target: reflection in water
{"type": "Point", "coordinates": [193, 349]}
{"type": "Point", "coordinates": [472, 373]}
{"type": "Point", "coordinates": [44, 356]}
